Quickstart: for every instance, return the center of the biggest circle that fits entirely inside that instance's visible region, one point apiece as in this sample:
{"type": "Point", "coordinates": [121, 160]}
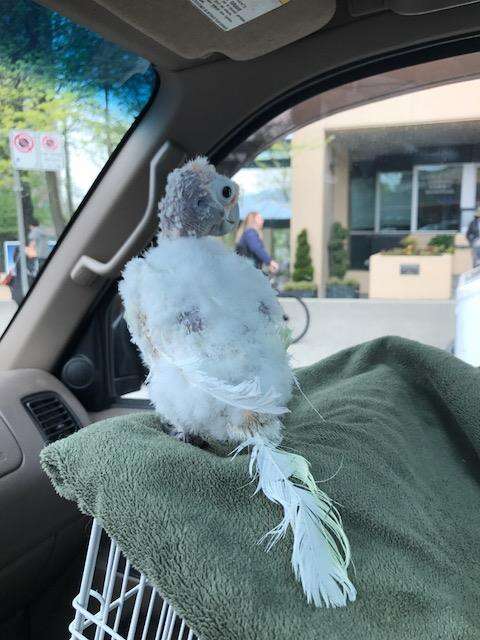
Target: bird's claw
{"type": "Point", "coordinates": [189, 438]}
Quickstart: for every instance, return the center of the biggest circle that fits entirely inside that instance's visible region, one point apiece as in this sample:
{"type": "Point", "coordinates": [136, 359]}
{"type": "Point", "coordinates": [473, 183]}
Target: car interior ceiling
{"type": "Point", "coordinates": [215, 89]}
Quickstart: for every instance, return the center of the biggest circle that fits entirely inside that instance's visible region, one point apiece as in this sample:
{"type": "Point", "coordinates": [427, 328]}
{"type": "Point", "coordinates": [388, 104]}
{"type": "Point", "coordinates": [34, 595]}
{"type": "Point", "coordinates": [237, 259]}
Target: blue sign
{"type": "Point", "coordinates": [9, 248]}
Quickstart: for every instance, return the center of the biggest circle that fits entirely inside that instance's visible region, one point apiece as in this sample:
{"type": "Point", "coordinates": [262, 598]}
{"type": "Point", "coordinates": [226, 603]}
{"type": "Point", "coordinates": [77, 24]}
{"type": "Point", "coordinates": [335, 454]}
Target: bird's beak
{"type": "Point", "coordinates": [232, 214]}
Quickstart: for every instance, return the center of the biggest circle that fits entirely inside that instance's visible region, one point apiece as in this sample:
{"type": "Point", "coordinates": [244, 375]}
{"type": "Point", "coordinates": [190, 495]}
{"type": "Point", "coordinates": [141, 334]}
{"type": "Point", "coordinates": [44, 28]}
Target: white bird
{"type": "Point", "coordinates": [211, 333]}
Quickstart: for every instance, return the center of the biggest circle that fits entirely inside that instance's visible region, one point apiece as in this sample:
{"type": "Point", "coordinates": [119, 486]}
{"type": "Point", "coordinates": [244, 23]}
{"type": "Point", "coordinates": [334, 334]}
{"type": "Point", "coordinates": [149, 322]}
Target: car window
{"type": "Point", "coordinates": [365, 199]}
{"type": "Point", "coordinates": [67, 98]}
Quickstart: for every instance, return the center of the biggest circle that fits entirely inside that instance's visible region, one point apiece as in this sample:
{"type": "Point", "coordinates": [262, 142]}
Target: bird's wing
{"type": "Point", "coordinates": [136, 315]}
{"type": "Point", "coordinates": [246, 395]}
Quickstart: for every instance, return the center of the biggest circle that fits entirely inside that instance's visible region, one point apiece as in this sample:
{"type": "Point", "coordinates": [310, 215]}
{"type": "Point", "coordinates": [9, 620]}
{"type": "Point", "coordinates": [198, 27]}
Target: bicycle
{"type": "Point", "coordinates": [296, 314]}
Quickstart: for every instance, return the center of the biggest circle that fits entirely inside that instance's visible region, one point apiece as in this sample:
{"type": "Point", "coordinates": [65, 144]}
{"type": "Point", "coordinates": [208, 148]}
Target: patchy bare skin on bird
{"type": "Point", "coordinates": [211, 332]}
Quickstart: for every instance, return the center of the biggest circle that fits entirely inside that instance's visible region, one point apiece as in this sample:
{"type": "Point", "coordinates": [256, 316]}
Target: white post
{"type": "Point", "coordinates": [21, 232]}
{"type": "Point", "coordinates": [468, 197]}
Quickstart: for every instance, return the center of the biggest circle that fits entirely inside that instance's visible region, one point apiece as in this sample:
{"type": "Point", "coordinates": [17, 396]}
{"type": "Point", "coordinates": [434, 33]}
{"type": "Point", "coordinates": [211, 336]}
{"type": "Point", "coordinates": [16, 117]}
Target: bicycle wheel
{"type": "Point", "coordinates": [296, 315]}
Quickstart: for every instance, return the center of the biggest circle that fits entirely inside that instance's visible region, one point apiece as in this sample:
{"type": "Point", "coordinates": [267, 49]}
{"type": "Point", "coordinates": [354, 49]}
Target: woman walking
{"type": "Point", "coordinates": [249, 242]}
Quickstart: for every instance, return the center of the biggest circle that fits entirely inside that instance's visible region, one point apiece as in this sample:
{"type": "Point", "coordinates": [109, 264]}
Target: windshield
{"type": "Point", "coordinates": [67, 97]}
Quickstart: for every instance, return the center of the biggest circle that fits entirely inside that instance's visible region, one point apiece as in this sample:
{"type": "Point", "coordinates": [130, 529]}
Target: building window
{"type": "Point", "coordinates": [394, 201]}
{"type": "Point", "coordinates": [438, 189]}
{"type": "Point", "coordinates": [424, 198]}
{"type": "Point", "coordinates": [362, 202]}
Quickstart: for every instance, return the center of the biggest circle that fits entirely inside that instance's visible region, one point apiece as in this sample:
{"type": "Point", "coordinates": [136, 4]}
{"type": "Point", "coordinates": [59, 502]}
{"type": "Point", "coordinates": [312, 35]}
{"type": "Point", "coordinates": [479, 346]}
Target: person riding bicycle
{"type": "Point", "coordinates": [249, 242]}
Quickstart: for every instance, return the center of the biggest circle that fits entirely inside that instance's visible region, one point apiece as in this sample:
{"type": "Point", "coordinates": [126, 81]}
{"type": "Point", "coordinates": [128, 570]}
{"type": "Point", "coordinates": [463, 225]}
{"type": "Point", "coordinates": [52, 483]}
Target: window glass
{"type": "Point", "coordinates": [395, 200]}
{"type": "Point", "coordinates": [376, 184]}
{"type": "Point", "coordinates": [266, 190]}
{"type": "Point", "coordinates": [362, 203]}
{"type": "Point", "coordinates": [67, 97]}
{"type": "Point", "coordinates": [477, 189]}
{"type": "Point", "coordinates": [439, 190]}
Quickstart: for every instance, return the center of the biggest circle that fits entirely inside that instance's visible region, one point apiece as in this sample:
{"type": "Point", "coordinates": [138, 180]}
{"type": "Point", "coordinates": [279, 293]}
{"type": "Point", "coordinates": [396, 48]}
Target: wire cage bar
{"type": "Point", "coordinates": [116, 602]}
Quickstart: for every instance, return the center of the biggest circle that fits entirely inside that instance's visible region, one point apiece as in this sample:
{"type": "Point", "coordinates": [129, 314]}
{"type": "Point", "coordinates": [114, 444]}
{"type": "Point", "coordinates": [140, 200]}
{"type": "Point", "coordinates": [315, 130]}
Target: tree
{"type": "Point", "coordinates": [337, 251]}
{"type": "Point", "coordinates": [303, 269]}
{"type": "Point", "coordinates": [29, 101]}
{"type": "Point", "coordinates": [56, 75]}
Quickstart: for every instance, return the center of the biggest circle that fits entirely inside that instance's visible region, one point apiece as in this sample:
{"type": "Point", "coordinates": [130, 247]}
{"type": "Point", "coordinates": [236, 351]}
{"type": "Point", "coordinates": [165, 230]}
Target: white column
{"type": "Point", "coordinates": [468, 195]}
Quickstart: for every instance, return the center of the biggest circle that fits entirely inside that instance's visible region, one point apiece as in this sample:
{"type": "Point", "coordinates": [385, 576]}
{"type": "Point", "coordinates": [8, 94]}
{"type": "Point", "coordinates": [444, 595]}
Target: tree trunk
{"type": "Point", "coordinates": [108, 121]}
{"type": "Point", "coordinates": [68, 174]}
{"type": "Point", "coordinates": [27, 205]}
{"type": "Point", "coordinates": [55, 204]}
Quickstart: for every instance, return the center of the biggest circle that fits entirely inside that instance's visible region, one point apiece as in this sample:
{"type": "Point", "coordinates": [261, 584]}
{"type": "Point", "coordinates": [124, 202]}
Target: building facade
{"type": "Point", "coordinates": [404, 165]}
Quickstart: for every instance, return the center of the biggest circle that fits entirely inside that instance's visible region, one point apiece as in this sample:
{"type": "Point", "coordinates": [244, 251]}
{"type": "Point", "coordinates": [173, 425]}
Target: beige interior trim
{"type": "Point", "coordinates": [88, 269]}
{"type": "Point", "coordinates": [182, 28]}
{"type": "Point", "coordinates": [178, 26]}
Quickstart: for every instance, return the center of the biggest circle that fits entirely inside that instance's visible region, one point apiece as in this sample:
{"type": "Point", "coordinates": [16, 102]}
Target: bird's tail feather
{"type": "Point", "coordinates": [321, 551]}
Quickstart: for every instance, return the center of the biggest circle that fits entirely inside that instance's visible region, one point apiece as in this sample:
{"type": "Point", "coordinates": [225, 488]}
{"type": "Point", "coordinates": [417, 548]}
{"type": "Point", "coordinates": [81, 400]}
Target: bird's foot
{"type": "Point", "coordinates": [189, 438]}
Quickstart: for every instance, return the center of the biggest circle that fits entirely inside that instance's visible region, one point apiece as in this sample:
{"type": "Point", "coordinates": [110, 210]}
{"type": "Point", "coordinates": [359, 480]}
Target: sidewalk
{"type": "Point", "coordinates": [338, 324]}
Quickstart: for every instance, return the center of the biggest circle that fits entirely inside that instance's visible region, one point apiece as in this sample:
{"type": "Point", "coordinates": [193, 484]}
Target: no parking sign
{"type": "Point", "coordinates": [52, 156]}
{"type": "Point", "coordinates": [23, 149]}
{"type": "Point", "coordinates": [36, 150]}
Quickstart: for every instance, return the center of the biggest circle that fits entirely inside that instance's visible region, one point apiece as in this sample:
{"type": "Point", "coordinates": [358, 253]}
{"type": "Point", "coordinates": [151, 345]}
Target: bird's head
{"type": "Point", "coordinates": [198, 202]}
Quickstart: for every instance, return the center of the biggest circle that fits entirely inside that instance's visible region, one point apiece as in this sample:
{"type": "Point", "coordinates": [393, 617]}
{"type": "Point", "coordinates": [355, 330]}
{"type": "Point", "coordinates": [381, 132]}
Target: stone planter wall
{"type": "Point", "coordinates": [411, 277]}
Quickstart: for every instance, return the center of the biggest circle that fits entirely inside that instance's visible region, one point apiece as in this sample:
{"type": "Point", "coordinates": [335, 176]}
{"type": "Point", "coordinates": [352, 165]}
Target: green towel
{"type": "Point", "coordinates": [399, 452]}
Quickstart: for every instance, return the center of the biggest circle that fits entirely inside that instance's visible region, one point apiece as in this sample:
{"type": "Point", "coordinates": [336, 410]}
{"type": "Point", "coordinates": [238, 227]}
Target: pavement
{"type": "Point", "coordinates": [338, 324]}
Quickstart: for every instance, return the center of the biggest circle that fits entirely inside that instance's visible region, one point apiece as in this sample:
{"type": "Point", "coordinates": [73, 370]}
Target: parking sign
{"type": "Point", "coordinates": [23, 149]}
{"type": "Point", "coordinates": [52, 155]}
{"type": "Point", "coordinates": [37, 150]}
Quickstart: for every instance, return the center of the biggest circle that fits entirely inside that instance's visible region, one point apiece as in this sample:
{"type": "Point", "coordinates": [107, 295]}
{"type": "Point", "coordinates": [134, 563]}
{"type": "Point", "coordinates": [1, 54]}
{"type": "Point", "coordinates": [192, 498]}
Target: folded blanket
{"type": "Point", "coordinates": [398, 450]}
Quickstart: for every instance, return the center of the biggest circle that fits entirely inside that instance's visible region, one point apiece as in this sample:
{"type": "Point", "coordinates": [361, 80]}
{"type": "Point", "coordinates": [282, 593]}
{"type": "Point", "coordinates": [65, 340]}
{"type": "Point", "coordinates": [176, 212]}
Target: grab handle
{"type": "Point", "coordinates": [88, 269]}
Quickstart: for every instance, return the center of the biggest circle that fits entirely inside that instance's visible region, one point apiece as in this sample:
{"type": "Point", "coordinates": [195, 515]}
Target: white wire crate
{"type": "Point", "coordinates": [117, 602]}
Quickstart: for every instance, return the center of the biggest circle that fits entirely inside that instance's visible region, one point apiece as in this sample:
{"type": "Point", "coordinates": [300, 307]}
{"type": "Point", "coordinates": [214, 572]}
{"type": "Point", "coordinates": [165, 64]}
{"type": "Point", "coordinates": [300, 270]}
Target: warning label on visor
{"type": "Point", "coordinates": [229, 14]}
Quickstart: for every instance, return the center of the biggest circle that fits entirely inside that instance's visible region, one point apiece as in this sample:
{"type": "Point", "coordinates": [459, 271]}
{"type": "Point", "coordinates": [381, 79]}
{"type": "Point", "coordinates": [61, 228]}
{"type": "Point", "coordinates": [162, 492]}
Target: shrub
{"type": "Point", "coordinates": [437, 246]}
{"type": "Point", "coordinates": [443, 242]}
{"type": "Point", "coordinates": [299, 285]}
{"type": "Point", "coordinates": [338, 255]}
{"type": "Point", "coordinates": [303, 268]}
{"type": "Point", "coordinates": [349, 282]}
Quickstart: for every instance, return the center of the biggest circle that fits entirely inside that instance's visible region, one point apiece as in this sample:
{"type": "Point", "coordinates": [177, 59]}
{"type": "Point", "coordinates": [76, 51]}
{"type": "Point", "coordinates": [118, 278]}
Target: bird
{"type": "Point", "coordinates": [211, 333]}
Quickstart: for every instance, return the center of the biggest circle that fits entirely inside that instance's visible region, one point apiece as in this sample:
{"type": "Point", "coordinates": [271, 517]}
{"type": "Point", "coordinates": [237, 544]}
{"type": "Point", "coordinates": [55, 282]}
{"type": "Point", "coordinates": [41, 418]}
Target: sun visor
{"type": "Point", "coordinates": [239, 29]}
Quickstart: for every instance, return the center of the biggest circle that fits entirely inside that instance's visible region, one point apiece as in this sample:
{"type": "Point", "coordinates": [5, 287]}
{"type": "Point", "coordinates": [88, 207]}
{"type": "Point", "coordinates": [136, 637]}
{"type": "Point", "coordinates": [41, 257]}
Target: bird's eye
{"type": "Point", "coordinates": [227, 192]}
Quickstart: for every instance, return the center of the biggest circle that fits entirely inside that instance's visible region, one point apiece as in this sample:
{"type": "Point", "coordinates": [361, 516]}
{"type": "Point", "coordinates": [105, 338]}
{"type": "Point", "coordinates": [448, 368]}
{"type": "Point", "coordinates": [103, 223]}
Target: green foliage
{"type": "Point", "coordinates": [303, 268]}
{"type": "Point", "coordinates": [300, 285]}
{"type": "Point", "coordinates": [338, 232]}
{"type": "Point", "coordinates": [349, 282]}
{"type": "Point", "coordinates": [437, 246]}
{"type": "Point", "coordinates": [58, 76]}
{"type": "Point", "coordinates": [410, 245]}
{"type": "Point", "coordinates": [8, 218]}
{"type": "Point", "coordinates": [338, 255]}
{"type": "Point", "coordinates": [444, 241]}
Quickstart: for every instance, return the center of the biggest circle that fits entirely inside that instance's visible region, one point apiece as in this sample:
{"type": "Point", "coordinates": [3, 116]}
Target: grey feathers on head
{"type": "Point", "coordinates": [198, 202]}
{"type": "Point", "coordinates": [211, 332]}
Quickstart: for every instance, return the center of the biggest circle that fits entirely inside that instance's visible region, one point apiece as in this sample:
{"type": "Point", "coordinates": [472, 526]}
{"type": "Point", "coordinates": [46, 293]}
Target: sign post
{"type": "Point", "coordinates": [21, 231]}
{"type": "Point", "coordinates": [32, 151]}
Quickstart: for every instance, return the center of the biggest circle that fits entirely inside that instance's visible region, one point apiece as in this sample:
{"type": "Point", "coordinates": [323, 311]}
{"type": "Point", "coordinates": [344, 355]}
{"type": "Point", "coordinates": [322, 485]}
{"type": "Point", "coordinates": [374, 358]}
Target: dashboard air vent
{"type": "Point", "coordinates": [51, 415]}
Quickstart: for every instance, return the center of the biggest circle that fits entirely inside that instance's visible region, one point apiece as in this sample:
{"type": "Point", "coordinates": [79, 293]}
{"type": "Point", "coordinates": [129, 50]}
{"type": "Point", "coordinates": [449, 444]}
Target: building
{"type": "Point", "coordinates": [403, 165]}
